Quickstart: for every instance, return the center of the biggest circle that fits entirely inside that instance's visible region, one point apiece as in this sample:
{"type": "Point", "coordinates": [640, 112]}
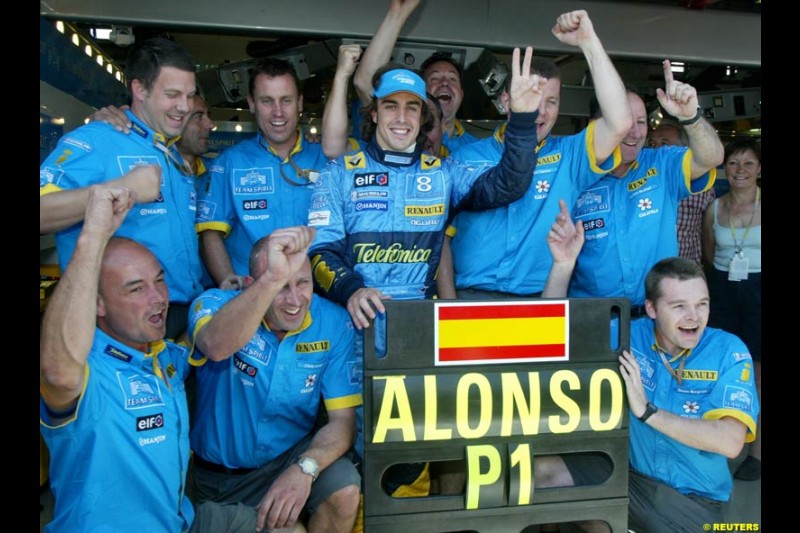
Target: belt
{"type": "Point", "coordinates": [219, 469]}
{"type": "Point", "coordinates": [638, 311]}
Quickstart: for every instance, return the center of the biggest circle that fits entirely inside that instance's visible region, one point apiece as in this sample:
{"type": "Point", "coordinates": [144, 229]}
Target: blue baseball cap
{"type": "Point", "coordinates": [400, 80]}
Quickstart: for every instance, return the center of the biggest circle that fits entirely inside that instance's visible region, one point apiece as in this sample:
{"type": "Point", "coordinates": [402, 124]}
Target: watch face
{"type": "Point", "coordinates": [308, 465]}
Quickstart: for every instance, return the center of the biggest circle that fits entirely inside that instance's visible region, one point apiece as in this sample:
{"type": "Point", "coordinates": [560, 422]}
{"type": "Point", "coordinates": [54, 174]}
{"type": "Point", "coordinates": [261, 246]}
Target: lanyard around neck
{"type": "Point", "coordinates": [740, 246]}
{"type": "Point", "coordinates": [677, 374]}
{"type": "Point", "coordinates": [306, 176]}
{"type": "Point", "coordinates": [180, 165]}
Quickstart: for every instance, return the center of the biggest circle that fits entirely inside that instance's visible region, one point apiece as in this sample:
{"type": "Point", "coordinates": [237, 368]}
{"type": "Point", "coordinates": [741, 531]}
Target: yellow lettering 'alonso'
{"type": "Point", "coordinates": [474, 405]}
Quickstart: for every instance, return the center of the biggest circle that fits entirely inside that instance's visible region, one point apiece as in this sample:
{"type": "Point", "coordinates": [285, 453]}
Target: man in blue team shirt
{"type": "Point", "coordinates": [263, 183]}
{"type": "Point", "coordinates": [381, 212]}
{"type": "Point", "coordinates": [692, 395]}
{"type": "Point", "coordinates": [503, 253]}
{"type": "Point", "coordinates": [113, 408]}
{"type": "Point", "coordinates": [276, 354]}
{"type": "Point", "coordinates": [161, 82]}
{"type": "Point", "coordinates": [630, 215]}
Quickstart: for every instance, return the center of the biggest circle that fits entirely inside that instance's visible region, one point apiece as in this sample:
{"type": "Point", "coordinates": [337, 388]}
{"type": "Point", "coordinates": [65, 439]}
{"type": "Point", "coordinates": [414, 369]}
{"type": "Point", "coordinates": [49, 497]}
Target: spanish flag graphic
{"type": "Point", "coordinates": [497, 333]}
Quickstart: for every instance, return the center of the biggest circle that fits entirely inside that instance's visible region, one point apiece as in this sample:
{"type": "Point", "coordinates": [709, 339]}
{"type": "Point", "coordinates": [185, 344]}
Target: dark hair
{"type": "Point", "coordinates": [738, 146]}
{"type": "Point", "coordinates": [146, 59]}
{"type": "Point", "coordinates": [436, 104]}
{"type": "Point", "coordinates": [435, 57]}
{"type": "Point", "coordinates": [671, 267]}
{"type": "Point", "coordinates": [272, 67]}
{"type": "Point", "coordinates": [541, 66]}
{"type": "Point", "coordinates": [368, 127]}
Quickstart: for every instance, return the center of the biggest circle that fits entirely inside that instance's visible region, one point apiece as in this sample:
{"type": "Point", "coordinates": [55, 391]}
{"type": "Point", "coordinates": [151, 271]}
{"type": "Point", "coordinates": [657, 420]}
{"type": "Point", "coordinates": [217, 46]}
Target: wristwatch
{"type": "Point", "coordinates": [308, 466]}
{"type": "Point", "coordinates": [649, 411]}
{"type": "Point", "coordinates": [695, 118]}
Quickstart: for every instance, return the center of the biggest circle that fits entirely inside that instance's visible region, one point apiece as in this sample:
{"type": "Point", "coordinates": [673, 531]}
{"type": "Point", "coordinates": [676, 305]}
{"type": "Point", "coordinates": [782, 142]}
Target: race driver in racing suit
{"type": "Point", "coordinates": [380, 213]}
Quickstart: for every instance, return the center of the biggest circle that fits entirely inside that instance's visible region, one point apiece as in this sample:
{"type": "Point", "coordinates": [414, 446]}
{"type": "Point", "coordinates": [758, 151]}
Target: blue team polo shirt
{"type": "Point", "coordinates": [262, 400]}
{"type": "Point", "coordinates": [506, 249]}
{"type": "Point", "coordinates": [718, 381]}
{"type": "Point", "coordinates": [119, 462]}
{"type": "Point", "coordinates": [254, 192]}
{"type": "Point", "coordinates": [459, 139]}
{"type": "Point", "coordinates": [97, 153]}
{"type": "Point", "coordinates": [631, 223]}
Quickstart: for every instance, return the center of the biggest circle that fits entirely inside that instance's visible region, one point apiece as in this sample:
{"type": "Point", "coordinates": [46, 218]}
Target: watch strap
{"type": "Point", "coordinates": [694, 119]}
{"type": "Point", "coordinates": [649, 410]}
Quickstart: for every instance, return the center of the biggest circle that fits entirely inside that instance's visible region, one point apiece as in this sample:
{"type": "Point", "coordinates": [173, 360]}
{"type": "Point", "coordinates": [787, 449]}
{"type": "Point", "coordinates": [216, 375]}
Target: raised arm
{"type": "Point", "coordinates": [380, 47]}
{"type": "Point", "coordinates": [565, 241]}
{"type": "Point", "coordinates": [69, 323]}
{"type": "Point", "coordinates": [334, 118]}
{"type": "Point", "coordinates": [725, 436]}
{"type": "Point", "coordinates": [576, 29]}
{"type": "Point", "coordinates": [680, 100]}
{"type": "Point", "coordinates": [238, 320]}
{"type": "Point", "coordinates": [61, 209]}
{"type": "Point", "coordinates": [511, 177]}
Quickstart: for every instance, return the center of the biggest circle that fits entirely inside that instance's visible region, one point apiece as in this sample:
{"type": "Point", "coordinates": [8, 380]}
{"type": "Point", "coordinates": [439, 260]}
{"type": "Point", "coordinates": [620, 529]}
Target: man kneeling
{"type": "Point", "coordinates": [274, 353]}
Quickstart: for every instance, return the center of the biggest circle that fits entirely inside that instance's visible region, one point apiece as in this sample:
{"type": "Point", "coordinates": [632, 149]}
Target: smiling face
{"type": "Point", "coordinates": [133, 297]}
{"type": "Point", "coordinates": [634, 141]}
{"type": "Point", "coordinates": [397, 120]}
{"type": "Point", "coordinates": [166, 106]}
{"type": "Point", "coordinates": [194, 140]}
{"type": "Point", "coordinates": [742, 169]}
{"type": "Point", "coordinates": [289, 308]}
{"type": "Point", "coordinates": [681, 313]}
{"type": "Point", "coordinates": [276, 105]}
{"type": "Point", "coordinates": [443, 81]}
{"type": "Point", "coordinates": [548, 108]}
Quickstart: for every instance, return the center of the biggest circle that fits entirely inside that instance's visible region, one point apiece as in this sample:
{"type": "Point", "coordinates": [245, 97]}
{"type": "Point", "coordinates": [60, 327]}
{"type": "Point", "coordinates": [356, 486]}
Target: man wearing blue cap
{"type": "Point", "coordinates": [380, 213]}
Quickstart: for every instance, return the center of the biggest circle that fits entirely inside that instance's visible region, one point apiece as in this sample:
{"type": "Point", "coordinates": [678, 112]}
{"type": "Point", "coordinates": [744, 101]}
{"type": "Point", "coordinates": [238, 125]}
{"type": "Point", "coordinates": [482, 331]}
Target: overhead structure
{"type": "Point", "coordinates": [628, 29]}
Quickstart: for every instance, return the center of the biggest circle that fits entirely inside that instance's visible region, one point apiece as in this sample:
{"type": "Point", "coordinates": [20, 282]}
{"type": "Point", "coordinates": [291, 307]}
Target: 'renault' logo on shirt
{"type": "Point", "coordinates": [548, 159]}
{"type": "Point", "coordinates": [638, 184]}
{"type": "Point", "coordinates": [700, 375]}
{"type": "Point", "coordinates": [424, 210]}
{"type": "Point", "coordinates": [312, 347]}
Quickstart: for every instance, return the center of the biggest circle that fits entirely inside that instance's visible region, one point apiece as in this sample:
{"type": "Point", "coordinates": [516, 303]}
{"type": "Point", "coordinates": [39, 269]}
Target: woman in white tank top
{"type": "Point", "coordinates": [732, 250]}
